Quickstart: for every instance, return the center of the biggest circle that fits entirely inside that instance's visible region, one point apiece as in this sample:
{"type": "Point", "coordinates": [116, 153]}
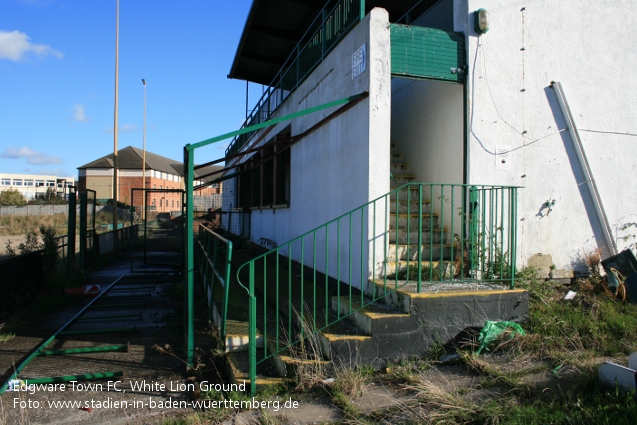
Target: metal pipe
{"type": "Point", "coordinates": [588, 173]}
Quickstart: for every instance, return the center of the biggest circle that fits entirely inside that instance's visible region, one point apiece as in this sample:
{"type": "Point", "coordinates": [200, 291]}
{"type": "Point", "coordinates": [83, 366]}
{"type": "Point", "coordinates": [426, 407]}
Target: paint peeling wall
{"type": "Point", "coordinates": [586, 46]}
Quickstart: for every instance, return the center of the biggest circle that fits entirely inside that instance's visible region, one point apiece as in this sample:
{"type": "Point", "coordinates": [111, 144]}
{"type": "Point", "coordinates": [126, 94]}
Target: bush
{"type": "Point", "coordinates": [12, 197]}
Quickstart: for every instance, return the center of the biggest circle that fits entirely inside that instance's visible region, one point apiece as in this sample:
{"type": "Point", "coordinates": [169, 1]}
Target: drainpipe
{"type": "Point", "coordinates": [611, 247]}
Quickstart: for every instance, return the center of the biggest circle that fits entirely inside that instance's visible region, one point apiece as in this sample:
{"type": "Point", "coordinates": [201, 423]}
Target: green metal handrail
{"type": "Point", "coordinates": [415, 234]}
{"type": "Point", "coordinates": [213, 256]}
{"type": "Point", "coordinates": [329, 27]}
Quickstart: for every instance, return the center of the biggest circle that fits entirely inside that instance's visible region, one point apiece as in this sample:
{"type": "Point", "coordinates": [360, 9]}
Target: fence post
{"type": "Point", "coordinates": [71, 230]}
{"type": "Point", "coordinates": [83, 225]}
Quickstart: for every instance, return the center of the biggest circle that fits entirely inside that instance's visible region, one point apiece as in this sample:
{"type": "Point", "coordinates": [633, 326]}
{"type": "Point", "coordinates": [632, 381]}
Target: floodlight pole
{"type": "Point", "coordinates": [144, 158]}
{"type": "Point", "coordinates": [115, 188]}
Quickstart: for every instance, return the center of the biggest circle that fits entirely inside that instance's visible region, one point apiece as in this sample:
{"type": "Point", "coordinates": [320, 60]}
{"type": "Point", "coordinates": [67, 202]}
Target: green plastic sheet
{"type": "Point", "coordinates": [492, 330]}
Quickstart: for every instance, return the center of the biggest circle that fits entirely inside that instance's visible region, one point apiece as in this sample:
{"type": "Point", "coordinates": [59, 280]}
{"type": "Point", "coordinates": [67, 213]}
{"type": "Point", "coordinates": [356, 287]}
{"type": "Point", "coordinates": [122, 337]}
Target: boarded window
{"type": "Point", "coordinates": [264, 179]}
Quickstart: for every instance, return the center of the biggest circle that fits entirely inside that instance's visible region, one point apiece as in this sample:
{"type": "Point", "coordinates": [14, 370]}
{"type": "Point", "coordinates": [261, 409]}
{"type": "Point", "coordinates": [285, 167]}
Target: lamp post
{"type": "Point", "coordinates": [115, 188]}
{"type": "Point", "coordinates": [144, 158]}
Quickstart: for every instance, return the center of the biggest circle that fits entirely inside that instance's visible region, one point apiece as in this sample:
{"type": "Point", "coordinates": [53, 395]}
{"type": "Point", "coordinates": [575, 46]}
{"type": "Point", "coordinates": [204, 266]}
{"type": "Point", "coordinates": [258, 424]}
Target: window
{"type": "Point", "coordinates": [173, 203]}
{"type": "Point", "coordinates": [17, 182]}
{"type": "Point", "coordinates": [265, 181]}
{"type": "Point", "coordinates": [39, 183]}
{"type": "Point", "coordinates": [50, 183]}
{"type": "Point", "coordinates": [6, 182]}
{"type": "Point", "coordinates": [28, 183]}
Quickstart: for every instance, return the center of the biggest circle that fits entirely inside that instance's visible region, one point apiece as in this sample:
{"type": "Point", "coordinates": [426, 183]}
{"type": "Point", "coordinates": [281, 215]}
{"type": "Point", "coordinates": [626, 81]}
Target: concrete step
{"type": "Point", "coordinates": [289, 363]}
{"type": "Point", "coordinates": [410, 252]}
{"type": "Point", "coordinates": [409, 205]}
{"type": "Point", "coordinates": [237, 366]}
{"type": "Point", "coordinates": [374, 319]}
{"type": "Point", "coordinates": [399, 168]}
{"type": "Point", "coordinates": [437, 236]}
{"type": "Point", "coordinates": [483, 298]}
{"type": "Point", "coordinates": [401, 179]}
{"type": "Point", "coordinates": [427, 221]}
{"type": "Point", "coordinates": [429, 271]}
{"type": "Point", "coordinates": [412, 192]}
{"type": "Point", "coordinates": [396, 157]}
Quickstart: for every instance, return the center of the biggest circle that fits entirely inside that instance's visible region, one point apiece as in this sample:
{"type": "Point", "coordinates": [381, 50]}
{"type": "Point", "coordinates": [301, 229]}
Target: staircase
{"type": "Point", "coordinates": [423, 294]}
{"type": "Point", "coordinates": [407, 245]}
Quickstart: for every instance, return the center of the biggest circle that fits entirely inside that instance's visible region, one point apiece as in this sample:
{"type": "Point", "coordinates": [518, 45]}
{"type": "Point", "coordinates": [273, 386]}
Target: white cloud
{"type": "Point", "coordinates": [126, 128]}
{"type": "Point", "coordinates": [33, 157]}
{"type": "Point", "coordinates": [54, 172]}
{"type": "Point", "coordinates": [15, 45]}
{"type": "Point", "coordinates": [79, 113]}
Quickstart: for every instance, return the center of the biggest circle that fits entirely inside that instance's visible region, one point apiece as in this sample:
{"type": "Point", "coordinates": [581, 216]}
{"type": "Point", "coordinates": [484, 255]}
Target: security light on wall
{"type": "Point", "coordinates": [481, 21]}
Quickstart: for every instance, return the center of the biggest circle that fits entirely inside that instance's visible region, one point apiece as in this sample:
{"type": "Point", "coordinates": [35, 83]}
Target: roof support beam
{"type": "Point", "coordinates": [293, 36]}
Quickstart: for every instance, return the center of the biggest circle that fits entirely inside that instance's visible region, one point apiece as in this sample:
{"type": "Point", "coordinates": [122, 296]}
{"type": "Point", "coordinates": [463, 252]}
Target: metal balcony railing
{"type": "Point", "coordinates": [329, 27]}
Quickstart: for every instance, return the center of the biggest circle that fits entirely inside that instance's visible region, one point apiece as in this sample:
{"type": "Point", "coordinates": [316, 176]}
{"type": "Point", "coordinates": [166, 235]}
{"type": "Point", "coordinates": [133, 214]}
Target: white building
{"type": "Point", "coordinates": [35, 186]}
{"type": "Point", "coordinates": [463, 107]}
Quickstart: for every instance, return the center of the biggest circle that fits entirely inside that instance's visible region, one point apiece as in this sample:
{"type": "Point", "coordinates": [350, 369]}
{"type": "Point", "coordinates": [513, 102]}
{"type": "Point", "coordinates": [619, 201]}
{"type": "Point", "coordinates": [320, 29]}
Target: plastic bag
{"type": "Point", "coordinates": [492, 330]}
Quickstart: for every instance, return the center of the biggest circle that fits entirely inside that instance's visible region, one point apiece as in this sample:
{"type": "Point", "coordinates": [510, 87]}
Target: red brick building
{"type": "Point", "coordinates": [162, 175]}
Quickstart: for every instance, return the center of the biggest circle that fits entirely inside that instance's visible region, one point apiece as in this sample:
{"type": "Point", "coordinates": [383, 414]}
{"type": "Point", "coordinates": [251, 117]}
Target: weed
{"type": "Point", "coordinates": [593, 261]}
{"type": "Point", "coordinates": [350, 381]}
{"type": "Point", "coordinates": [436, 351]}
{"type": "Point", "coordinates": [5, 336]}
{"type": "Point", "coordinates": [411, 273]}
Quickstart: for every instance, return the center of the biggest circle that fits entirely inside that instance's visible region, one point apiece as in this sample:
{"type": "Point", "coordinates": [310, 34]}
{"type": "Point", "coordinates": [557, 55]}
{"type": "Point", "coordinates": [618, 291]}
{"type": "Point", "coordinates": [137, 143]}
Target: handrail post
{"type": "Point", "coordinates": [252, 343]}
{"type": "Point", "coordinates": [227, 288]}
{"type": "Point", "coordinates": [189, 161]}
{"type": "Point", "coordinates": [514, 231]}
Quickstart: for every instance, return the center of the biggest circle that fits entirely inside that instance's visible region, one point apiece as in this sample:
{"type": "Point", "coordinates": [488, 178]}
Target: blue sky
{"type": "Point", "coordinates": [57, 79]}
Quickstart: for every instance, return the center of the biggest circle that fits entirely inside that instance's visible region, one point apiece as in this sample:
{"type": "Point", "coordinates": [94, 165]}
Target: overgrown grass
{"type": "Point", "coordinates": [19, 225]}
{"type": "Point", "coordinates": [594, 324]}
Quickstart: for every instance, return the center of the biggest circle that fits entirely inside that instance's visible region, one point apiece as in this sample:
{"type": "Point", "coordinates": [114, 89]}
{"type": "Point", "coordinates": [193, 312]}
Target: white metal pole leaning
{"type": "Point", "coordinates": [115, 188]}
{"type": "Point", "coordinates": [144, 158]}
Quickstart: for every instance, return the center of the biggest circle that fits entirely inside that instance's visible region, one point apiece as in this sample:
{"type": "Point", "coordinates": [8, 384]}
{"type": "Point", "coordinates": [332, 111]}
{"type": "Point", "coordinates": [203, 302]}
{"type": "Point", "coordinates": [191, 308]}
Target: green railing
{"type": "Point", "coordinates": [213, 255]}
{"type": "Point", "coordinates": [329, 27]}
{"type": "Point", "coordinates": [418, 234]}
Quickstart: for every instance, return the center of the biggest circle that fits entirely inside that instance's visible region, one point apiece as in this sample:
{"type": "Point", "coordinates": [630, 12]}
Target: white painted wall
{"type": "Point", "coordinates": [345, 163]}
{"type": "Point", "coordinates": [585, 45]}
